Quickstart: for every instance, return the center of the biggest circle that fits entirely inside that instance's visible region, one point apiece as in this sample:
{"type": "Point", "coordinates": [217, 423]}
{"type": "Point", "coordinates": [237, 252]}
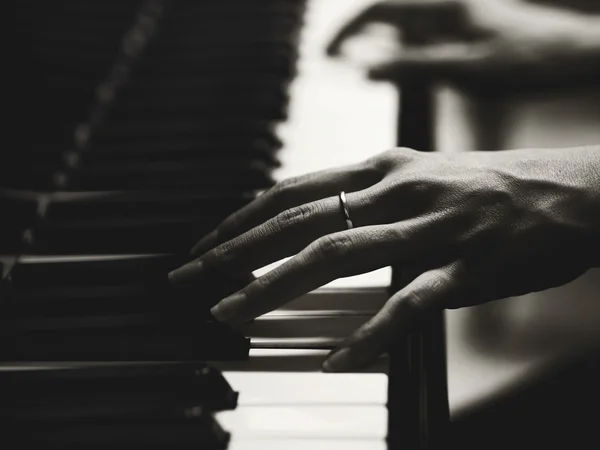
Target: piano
{"type": "Point", "coordinates": [151, 121]}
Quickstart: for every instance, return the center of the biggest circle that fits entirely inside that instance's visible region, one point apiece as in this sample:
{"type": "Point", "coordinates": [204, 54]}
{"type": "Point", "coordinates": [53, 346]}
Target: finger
{"type": "Point", "coordinates": [436, 60]}
{"type": "Point", "coordinates": [400, 13]}
{"type": "Point", "coordinates": [336, 255]}
{"type": "Point", "coordinates": [431, 291]}
{"type": "Point", "coordinates": [288, 194]}
{"type": "Point", "coordinates": [286, 234]}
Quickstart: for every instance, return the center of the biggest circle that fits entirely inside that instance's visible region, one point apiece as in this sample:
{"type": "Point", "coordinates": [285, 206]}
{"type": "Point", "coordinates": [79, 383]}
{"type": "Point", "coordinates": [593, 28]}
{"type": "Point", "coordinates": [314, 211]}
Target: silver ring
{"type": "Point", "coordinates": [345, 210]}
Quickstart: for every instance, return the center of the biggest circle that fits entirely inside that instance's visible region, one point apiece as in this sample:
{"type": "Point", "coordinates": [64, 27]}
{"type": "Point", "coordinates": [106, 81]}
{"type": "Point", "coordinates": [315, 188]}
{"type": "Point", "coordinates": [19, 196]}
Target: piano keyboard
{"type": "Point", "coordinates": [183, 405]}
{"type": "Point", "coordinates": [155, 121]}
{"type": "Point", "coordinates": [285, 400]}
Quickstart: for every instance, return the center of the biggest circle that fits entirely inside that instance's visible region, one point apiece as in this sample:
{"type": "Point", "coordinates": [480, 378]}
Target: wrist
{"type": "Point", "coordinates": [576, 171]}
{"type": "Point", "coordinates": [563, 185]}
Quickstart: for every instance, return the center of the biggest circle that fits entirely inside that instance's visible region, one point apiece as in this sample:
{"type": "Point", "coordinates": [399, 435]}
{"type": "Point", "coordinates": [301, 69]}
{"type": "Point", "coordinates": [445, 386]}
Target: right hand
{"type": "Point", "coordinates": [469, 228]}
{"type": "Point", "coordinates": [501, 40]}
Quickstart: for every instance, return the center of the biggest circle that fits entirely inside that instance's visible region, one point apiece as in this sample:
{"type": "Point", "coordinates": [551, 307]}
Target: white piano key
{"type": "Point", "coordinates": [295, 342]}
{"type": "Point", "coordinates": [290, 360]}
{"type": "Point", "coordinates": [305, 421]}
{"type": "Point", "coordinates": [308, 444]}
{"type": "Point", "coordinates": [363, 299]}
{"type": "Point", "coordinates": [380, 278]}
{"type": "Point", "coordinates": [300, 388]}
{"type": "Point", "coordinates": [301, 324]}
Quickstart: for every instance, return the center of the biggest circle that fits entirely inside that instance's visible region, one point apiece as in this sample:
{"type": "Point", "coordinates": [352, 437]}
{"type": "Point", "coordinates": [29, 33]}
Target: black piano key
{"type": "Point", "coordinates": [118, 222]}
{"type": "Point", "coordinates": [246, 66]}
{"type": "Point", "coordinates": [197, 430]}
{"type": "Point", "coordinates": [35, 157]}
{"type": "Point", "coordinates": [185, 43]}
{"type": "Point", "coordinates": [229, 182]}
{"type": "Point", "coordinates": [53, 286]}
{"type": "Point", "coordinates": [124, 390]}
{"type": "Point", "coordinates": [143, 83]}
{"type": "Point", "coordinates": [180, 39]}
{"type": "Point", "coordinates": [282, 65]}
{"type": "Point", "coordinates": [186, 126]}
{"type": "Point", "coordinates": [184, 173]}
{"type": "Point", "coordinates": [109, 237]}
{"type": "Point", "coordinates": [176, 121]}
{"type": "Point", "coordinates": [216, 151]}
{"type": "Point", "coordinates": [199, 88]}
{"type": "Point", "coordinates": [38, 301]}
{"type": "Point", "coordinates": [145, 204]}
{"type": "Point", "coordinates": [193, 166]}
{"type": "Point", "coordinates": [250, 102]}
{"type": "Point", "coordinates": [120, 338]}
{"type": "Point", "coordinates": [174, 321]}
{"type": "Point", "coordinates": [27, 181]}
{"type": "Point", "coordinates": [29, 301]}
{"type": "Point", "coordinates": [72, 69]}
{"type": "Point", "coordinates": [227, 159]}
{"type": "Point", "coordinates": [94, 270]}
{"type": "Point", "coordinates": [259, 143]}
{"type": "Point", "coordinates": [18, 213]}
{"type": "Point", "coordinates": [171, 111]}
{"type": "Point", "coordinates": [276, 60]}
{"type": "Point", "coordinates": [211, 139]}
{"type": "Point", "coordinates": [111, 270]}
{"type": "Point", "coordinates": [180, 11]}
{"type": "Point", "coordinates": [119, 235]}
{"type": "Point", "coordinates": [140, 134]}
{"type": "Point", "coordinates": [30, 168]}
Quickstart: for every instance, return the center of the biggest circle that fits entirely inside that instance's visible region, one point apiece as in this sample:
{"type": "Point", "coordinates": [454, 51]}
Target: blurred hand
{"type": "Point", "coordinates": [469, 227]}
{"type": "Point", "coordinates": [506, 40]}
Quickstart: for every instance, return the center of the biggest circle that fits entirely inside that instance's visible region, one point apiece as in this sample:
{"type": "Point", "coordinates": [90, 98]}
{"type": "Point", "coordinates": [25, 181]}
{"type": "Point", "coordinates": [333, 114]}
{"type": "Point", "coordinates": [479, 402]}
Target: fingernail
{"type": "Point", "coordinates": [227, 309]}
{"type": "Point", "coordinates": [338, 361]}
{"type": "Point", "coordinates": [203, 244]}
{"type": "Point", "coordinates": [186, 272]}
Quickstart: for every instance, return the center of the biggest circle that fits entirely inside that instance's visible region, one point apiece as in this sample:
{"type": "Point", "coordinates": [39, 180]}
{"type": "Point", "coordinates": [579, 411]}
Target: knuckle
{"type": "Point", "coordinates": [377, 330]}
{"type": "Point", "coordinates": [332, 247]}
{"type": "Point", "coordinates": [293, 217]}
{"type": "Point", "coordinates": [264, 286]}
{"type": "Point", "coordinates": [416, 302]}
{"type": "Point", "coordinates": [225, 252]}
{"type": "Point", "coordinates": [281, 190]}
{"type": "Point", "coordinates": [262, 283]}
{"type": "Point", "coordinates": [433, 291]}
{"type": "Point", "coordinates": [287, 183]}
{"type": "Point", "coordinates": [388, 160]}
{"type": "Point", "coordinates": [395, 234]}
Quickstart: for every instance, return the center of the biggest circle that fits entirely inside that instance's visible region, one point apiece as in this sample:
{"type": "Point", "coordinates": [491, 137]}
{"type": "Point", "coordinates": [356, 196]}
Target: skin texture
{"type": "Point", "coordinates": [484, 41]}
{"type": "Point", "coordinates": [469, 228]}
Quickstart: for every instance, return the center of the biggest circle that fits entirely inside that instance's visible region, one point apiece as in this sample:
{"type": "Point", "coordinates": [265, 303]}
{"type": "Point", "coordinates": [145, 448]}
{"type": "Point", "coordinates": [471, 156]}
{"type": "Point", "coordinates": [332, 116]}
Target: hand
{"type": "Point", "coordinates": [472, 227]}
{"type": "Point", "coordinates": [491, 40]}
